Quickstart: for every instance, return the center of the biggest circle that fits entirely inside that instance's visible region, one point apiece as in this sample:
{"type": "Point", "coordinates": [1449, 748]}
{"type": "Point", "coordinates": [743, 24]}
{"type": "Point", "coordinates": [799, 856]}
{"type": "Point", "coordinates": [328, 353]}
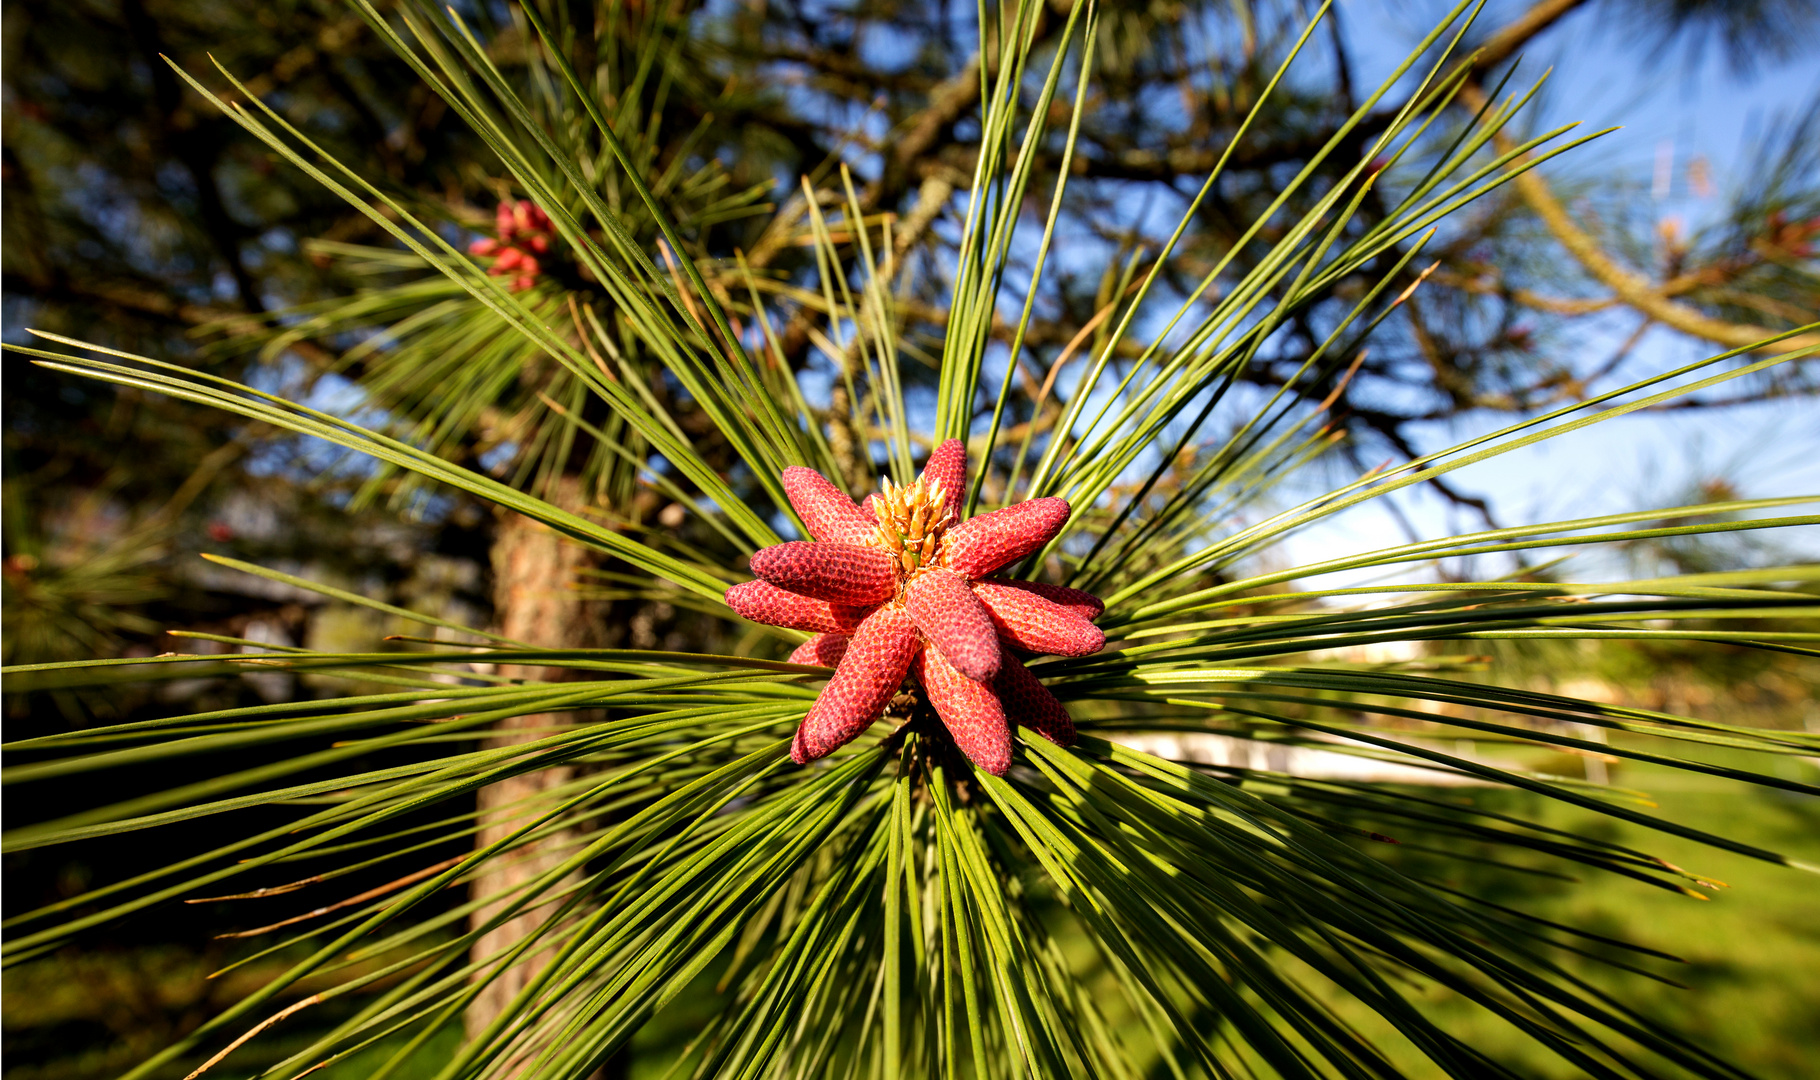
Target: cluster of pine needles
{"type": "Point", "coordinates": [891, 911]}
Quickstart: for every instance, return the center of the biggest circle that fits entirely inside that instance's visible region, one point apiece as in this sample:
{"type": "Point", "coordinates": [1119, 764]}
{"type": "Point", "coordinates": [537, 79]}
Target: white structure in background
{"type": "Point", "coordinates": [1304, 761]}
{"type": "Point", "coordinates": [1309, 762]}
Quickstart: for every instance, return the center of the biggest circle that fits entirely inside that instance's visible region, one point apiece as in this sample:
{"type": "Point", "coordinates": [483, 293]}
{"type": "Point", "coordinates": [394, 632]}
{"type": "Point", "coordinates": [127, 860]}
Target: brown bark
{"type": "Point", "coordinates": [1639, 292]}
{"type": "Point", "coordinates": [534, 574]}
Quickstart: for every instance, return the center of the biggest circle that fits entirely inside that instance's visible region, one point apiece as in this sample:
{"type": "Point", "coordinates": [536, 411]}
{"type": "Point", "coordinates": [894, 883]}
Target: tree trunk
{"type": "Point", "coordinates": [534, 574]}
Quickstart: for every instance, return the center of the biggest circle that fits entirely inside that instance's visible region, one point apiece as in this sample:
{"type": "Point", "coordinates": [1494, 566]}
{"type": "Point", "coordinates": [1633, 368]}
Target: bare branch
{"type": "Point", "coordinates": [1631, 288]}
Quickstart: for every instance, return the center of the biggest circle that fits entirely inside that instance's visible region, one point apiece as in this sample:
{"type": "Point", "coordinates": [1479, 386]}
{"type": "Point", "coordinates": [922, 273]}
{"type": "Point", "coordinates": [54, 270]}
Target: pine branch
{"type": "Point", "coordinates": [1631, 288]}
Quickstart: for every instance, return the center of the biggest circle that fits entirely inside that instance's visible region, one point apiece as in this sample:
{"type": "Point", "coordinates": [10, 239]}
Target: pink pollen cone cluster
{"type": "Point", "coordinates": [904, 587]}
{"type": "Point", "coordinates": [524, 234]}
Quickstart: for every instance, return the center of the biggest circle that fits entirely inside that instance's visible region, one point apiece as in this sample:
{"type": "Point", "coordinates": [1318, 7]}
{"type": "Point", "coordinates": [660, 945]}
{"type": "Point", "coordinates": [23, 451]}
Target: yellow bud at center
{"type": "Point", "coordinates": [911, 521]}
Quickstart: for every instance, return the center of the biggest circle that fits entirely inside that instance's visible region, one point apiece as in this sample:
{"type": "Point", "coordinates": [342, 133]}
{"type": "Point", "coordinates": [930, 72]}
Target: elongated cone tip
{"type": "Point", "coordinates": [1084, 604]}
{"type": "Point", "coordinates": [873, 668]}
{"type": "Point", "coordinates": [969, 710]}
{"type": "Point", "coordinates": [1026, 621]}
{"type": "Point", "coordinates": [978, 546]}
{"type": "Point", "coordinates": [822, 650]}
{"type": "Point", "coordinates": [951, 617]}
{"type": "Point", "coordinates": [1028, 702]}
{"type": "Point", "coordinates": [837, 573]}
{"type": "Point", "coordinates": [826, 509]}
{"type": "Point", "coordinates": [947, 466]}
{"type": "Point", "coordinates": [763, 602]}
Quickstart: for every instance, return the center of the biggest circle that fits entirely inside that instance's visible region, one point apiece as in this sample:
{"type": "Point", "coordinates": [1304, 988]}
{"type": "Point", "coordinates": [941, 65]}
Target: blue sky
{"type": "Point", "coordinates": [1671, 113]}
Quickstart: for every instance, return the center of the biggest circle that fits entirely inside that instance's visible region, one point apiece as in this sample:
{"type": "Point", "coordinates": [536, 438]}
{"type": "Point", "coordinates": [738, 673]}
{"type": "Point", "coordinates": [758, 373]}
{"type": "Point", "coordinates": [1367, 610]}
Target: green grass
{"type": "Point", "coordinates": [1752, 952]}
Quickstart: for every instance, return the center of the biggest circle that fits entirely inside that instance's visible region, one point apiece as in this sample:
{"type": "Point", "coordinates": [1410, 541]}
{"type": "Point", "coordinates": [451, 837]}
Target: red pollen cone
{"type": "Point", "coordinates": [978, 546]}
{"type": "Point", "coordinates": [825, 509]}
{"type": "Point", "coordinates": [1084, 604]}
{"type": "Point", "coordinates": [822, 650]}
{"type": "Point", "coordinates": [1026, 621]}
{"type": "Point", "coordinates": [873, 668]}
{"type": "Point", "coordinates": [763, 602]}
{"type": "Point", "coordinates": [837, 573]}
{"type": "Point", "coordinates": [881, 616]}
{"type": "Point", "coordinates": [953, 620]}
{"type": "Point", "coordinates": [1028, 702]}
{"type": "Point", "coordinates": [969, 711]}
{"type": "Point", "coordinates": [947, 466]}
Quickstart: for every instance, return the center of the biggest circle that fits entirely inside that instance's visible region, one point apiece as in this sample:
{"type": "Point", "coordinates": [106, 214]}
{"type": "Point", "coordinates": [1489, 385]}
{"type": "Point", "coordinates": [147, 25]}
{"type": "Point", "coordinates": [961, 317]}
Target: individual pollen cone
{"type": "Point", "coordinates": [1026, 621]}
{"type": "Point", "coordinates": [951, 617]}
{"type": "Point", "coordinates": [825, 509]}
{"type": "Point", "coordinates": [978, 546]}
{"type": "Point", "coordinates": [969, 710]}
{"type": "Point", "coordinates": [1028, 702]}
{"type": "Point", "coordinates": [763, 602]}
{"type": "Point", "coordinates": [947, 468]}
{"type": "Point", "coordinates": [893, 587]}
{"type": "Point", "coordinates": [873, 668]}
{"type": "Point", "coordinates": [1084, 604]}
{"type": "Point", "coordinates": [822, 650]}
{"type": "Point", "coordinates": [837, 573]}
